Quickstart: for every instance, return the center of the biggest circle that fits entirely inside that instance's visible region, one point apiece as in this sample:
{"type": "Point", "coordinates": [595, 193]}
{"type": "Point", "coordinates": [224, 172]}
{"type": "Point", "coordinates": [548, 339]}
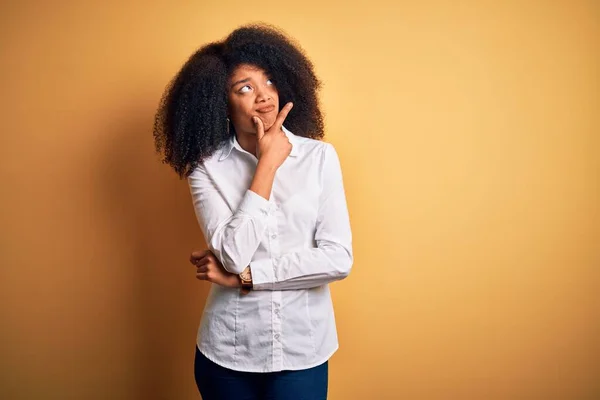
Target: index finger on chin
{"type": "Point", "coordinates": [283, 114]}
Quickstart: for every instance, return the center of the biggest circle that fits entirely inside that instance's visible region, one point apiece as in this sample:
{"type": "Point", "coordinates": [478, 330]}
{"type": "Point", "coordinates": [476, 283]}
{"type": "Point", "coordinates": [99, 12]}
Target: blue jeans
{"type": "Point", "coordinates": [218, 383]}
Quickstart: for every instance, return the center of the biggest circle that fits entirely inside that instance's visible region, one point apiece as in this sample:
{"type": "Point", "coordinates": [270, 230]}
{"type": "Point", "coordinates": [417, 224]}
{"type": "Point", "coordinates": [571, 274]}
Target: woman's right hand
{"type": "Point", "coordinates": [273, 146]}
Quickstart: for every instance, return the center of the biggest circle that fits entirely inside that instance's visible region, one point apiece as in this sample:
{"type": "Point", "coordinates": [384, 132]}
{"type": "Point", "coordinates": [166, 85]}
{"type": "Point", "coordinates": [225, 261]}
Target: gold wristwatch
{"type": "Point", "coordinates": [246, 279]}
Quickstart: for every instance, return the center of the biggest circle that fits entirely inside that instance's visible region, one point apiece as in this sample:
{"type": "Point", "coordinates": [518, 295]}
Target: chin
{"type": "Point", "coordinates": [269, 123]}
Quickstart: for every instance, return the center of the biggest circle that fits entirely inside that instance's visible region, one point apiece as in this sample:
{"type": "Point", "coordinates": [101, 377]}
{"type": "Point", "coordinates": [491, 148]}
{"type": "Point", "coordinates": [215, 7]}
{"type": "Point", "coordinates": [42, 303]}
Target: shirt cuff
{"type": "Point", "coordinates": [263, 274]}
{"type": "Point", "coordinates": [255, 205]}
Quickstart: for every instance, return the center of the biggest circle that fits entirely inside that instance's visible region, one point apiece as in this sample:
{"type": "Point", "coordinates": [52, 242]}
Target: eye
{"type": "Point", "coordinates": [270, 80]}
{"type": "Point", "coordinates": [243, 87]}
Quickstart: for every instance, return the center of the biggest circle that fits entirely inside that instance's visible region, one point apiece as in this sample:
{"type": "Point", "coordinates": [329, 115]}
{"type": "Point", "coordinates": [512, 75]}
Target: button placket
{"type": "Point", "coordinates": [276, 295]}
{"type": "Point", "coordinates": [277, 342]}
{"type": "Point", "coordinates": [274, 250]}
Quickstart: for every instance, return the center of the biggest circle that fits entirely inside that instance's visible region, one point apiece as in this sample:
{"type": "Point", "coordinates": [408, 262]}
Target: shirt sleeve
{"type": "Point", "coordinates": [332, 259]}
{"type": "Point", "coordinates": [232, 236]}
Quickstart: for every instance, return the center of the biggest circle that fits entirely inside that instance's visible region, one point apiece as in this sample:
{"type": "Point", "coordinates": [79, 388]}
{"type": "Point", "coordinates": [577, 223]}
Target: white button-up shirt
{"type": "Point", "coordinates": [296, 243]}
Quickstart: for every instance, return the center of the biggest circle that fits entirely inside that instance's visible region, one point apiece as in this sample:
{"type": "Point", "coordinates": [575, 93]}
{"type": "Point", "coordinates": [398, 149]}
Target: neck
{"type": "Point", "coordinates": [247, 141]}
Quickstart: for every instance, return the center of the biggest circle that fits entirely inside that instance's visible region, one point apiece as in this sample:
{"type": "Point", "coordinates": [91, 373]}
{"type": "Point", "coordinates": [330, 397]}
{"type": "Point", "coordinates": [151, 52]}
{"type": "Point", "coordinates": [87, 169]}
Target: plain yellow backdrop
{"type": "Point", "coordinates": [468, 133]}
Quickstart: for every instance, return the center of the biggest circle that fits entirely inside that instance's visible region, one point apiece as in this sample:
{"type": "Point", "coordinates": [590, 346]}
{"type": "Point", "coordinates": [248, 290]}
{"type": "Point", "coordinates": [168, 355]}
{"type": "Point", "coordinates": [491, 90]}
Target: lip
{"type": "Point", "coordinates": [265, 109]}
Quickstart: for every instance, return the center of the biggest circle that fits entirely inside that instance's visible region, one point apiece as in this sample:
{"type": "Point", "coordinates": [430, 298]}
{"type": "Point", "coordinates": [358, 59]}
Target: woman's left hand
{"type": "Point", "coordinates": [209, 268]}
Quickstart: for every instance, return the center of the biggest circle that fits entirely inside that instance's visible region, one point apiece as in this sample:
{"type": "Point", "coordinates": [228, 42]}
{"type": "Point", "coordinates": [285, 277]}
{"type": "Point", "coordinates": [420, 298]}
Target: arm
{"type": "Point", "coordinates": [332, 259]}
{"type": "Point", "coordinates": [233, 237]}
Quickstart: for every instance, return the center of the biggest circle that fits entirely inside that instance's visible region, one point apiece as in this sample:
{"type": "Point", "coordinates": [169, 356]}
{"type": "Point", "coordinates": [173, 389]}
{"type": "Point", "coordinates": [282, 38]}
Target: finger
{"type": "Point", "coordinates": [203, 276]}
{"type": "Point", "coordinates": [196, 260]}
{"type": "Point", "coordinates": [260, 128]}
{"type": "Point", "coordinates": [202, 268]}
{"type": "Point", "coordinates": [202, 261]}
{"type": "Point", "coordinates": [282, 115]}
{"type": "Point", "coordinates": [197, 255]}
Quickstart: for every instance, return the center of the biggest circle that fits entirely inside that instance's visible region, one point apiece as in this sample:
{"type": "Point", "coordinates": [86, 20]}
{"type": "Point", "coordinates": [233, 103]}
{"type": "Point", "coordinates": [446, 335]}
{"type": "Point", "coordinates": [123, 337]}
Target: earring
{"type": "Point", "coordinates": [227, 126]}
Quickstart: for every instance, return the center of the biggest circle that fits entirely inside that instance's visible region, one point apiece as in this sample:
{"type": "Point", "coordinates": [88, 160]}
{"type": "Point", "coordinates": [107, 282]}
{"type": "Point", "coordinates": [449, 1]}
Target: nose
{"type": "Point", "coordinates": [262, 94]}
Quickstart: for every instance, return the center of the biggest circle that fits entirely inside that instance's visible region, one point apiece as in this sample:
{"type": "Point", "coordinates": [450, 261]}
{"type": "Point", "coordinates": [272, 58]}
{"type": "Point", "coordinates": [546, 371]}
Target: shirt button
{"type": "Point", "coordinates": [273, 236]}
{"type": "Point", "coordinates": [277, 336]}
{"type": "Point", "coordinates": [277, 311]}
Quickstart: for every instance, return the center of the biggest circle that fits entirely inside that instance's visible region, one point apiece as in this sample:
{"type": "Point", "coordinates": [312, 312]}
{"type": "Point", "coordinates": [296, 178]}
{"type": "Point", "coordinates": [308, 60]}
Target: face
{"type": "Point", "coordinates": [251, 93]}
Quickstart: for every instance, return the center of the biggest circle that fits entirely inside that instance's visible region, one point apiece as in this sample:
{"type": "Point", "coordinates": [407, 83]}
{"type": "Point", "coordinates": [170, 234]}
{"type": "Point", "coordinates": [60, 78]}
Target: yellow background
{"type": "Point", "coordinates": [469, 139]}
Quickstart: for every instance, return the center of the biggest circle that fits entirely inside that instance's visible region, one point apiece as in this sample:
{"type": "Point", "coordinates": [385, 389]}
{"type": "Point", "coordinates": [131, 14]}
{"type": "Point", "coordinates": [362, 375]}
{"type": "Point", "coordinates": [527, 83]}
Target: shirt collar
{"type": "Point", "coordinates": [233, 143]}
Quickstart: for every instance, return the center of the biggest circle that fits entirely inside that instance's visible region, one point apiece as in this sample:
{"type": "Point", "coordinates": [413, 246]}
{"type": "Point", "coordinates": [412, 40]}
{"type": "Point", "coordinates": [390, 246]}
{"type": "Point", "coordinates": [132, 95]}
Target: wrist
{"type": "Point", "coordinates": [245, 279]}
{"type": "Point", "coordinates": [237, 281]}
{"type": "Point", "coordinates": [265, 166]}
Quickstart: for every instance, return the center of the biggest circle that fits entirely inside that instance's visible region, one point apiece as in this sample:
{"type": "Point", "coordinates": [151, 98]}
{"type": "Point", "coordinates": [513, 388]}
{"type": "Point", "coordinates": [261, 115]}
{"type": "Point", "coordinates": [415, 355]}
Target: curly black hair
{"type": "Point", "coordinates": [191, 120]}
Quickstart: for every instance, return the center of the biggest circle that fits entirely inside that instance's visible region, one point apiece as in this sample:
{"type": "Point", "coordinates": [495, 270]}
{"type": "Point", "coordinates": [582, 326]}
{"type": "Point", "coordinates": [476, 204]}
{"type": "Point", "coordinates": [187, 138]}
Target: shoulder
{"type": "Point", "coordinates": [201, 174]}
{"type": "Point", "coordinates": [315, 148]}
{"type": "Point", "coordinates": [209, 161]}
{"type": "Point", "coordinates": [321, 155]}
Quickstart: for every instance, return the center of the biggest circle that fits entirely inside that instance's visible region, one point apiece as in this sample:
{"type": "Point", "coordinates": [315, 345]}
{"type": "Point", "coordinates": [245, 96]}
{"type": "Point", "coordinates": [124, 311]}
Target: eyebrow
{"type": "Point", "coordinates": [240, 81]}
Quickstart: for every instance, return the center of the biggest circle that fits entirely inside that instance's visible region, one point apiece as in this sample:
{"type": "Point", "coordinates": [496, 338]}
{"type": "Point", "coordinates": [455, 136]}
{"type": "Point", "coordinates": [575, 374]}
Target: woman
{"type": "Point", "coordinates": [241, 121]}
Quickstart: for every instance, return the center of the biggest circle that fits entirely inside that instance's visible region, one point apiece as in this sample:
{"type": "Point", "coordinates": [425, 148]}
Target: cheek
{"type": "Point", "coordinates": [241, 105]}
{"type": "Point", "coordinates": [241, 114]}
